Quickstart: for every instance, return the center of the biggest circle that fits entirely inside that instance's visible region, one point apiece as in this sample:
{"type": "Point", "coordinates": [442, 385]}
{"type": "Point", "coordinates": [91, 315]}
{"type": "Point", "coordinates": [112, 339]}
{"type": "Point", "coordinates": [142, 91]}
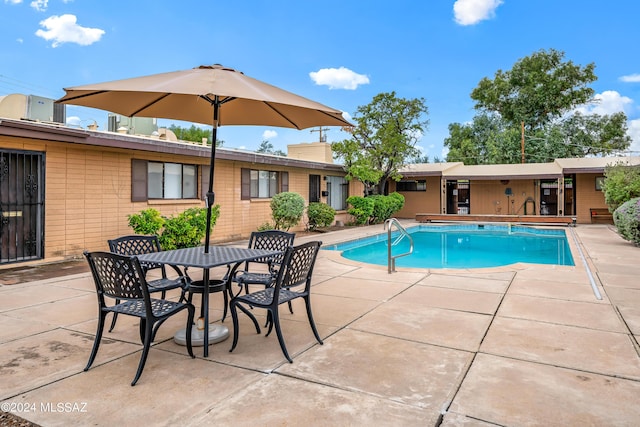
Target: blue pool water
{"type": "Point", "coordinates": [464, 246]}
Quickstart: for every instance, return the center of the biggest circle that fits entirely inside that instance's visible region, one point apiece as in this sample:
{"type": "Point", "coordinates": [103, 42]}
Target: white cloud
{"type": "Point", "coordinates": [607, 102]}
{"type": "Point", "coordinates": [64, 29]}
{"type": "Point", "coordinates": [13, 1]}
{"type": "Point", "coordinates": [347, 116]}
{"type": "Point", "coordinates": [470, 12]}
{"type": "Point", "coordinates": [39, 5]}
{"type": "Point", "coordinates": [74, 121]}
{"type": "Point", "coordinates": [610, 102]}
{"type": "Point", "coordinates": [630, 78]}
{"type": "Point", "coordinates": [338, 78]}
{"type": "Point", "coordinates": [269, 134]}
{"type": "Point", "coordinates": [634, 133]}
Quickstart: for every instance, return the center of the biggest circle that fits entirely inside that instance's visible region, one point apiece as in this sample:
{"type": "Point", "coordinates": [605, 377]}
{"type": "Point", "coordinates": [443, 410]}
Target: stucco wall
{"type": "Point", "coordinates": [420, 201]}
{"type": "Point", "coordinates": [587, 197]}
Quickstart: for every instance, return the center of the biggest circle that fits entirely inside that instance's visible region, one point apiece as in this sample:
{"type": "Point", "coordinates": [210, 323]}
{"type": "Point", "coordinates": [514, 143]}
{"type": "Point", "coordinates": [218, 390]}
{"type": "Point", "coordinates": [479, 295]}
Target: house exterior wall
{"type": "Point", "coordinates": [318, 151]}
{"type": "Point", "coordinates": [587, 197]}
{"type": "Point", "coordinates": [420, 201]}
{"type": "Point", "coordinates": [488, 197]}
{"type": "Point", "coordinates": [88, 194]}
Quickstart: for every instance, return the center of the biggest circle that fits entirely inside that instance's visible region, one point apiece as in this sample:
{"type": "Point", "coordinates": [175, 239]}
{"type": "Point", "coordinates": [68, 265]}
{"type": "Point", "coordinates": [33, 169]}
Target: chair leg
{"type": "Point", "coordinates": [115, 317]}
{"type": "Point", "coordinates": [226, 304]}
{"type": "Point", "coordinates": [143, 329]}
{"type": "Point", "coordinates": [191, 310]}
{"type": "Point", "coordinates": [276, 322]}
{"type": "Point", "coordinates": [148, 332]}
{"type": "Point", "coordinates": [307, 302]}
{"type": "Point", "coordinates": [268, 321]}
{"type": "Point", "coordinates": [96, 342]}
{"type": "Point", "coordinates": [236, 327]}
{"type": "Point", "coordinates": [290, 307]}
{"type": "Point", "coordinates": [234, 306]}
{"type": "Point", "coordinates": [183, 293]}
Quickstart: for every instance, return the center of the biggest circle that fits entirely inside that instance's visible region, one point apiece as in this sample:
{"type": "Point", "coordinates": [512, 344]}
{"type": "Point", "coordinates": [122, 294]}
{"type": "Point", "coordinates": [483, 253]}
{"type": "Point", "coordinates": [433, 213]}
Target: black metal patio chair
{"type": "Point", "coordinates": [274, 240]}
{"type": "Point", "coordinates": [142, 244]}
{"type": "Point", "coordinates": [293, 281]}
{"type": "Point", "coordinates": [122, 278]}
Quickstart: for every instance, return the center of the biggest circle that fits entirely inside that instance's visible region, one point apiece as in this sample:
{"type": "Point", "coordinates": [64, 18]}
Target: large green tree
{"type": "Point", "coordinates": [267, 148]}
{"type": "Point", "coordinates": [541, 92]}
{"type": "Point", "coordinates": [194, 134]}
{"type": "Point", "coordinates": [538, 89]}
{"type": "Point", "coordinates": [383, 139]}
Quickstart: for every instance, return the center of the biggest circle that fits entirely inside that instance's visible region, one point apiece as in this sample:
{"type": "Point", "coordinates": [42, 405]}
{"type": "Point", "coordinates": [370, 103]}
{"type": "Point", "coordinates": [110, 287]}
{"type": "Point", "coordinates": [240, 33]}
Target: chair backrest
{"type": "Point", "coordinates": [137, 244]}
{"type": "Point", "coordinates": [273, 240]}
{"type": "Point", "coordinates": [118, 276]}
{"type": "Point", "coordinates": [297, 266]}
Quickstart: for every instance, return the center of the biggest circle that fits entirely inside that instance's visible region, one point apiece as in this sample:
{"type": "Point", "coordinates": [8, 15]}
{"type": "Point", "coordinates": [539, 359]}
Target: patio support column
{"type": "Point", "coordinates": [561, 196]}
{"type": "Point", "coordinates": [443, 195]}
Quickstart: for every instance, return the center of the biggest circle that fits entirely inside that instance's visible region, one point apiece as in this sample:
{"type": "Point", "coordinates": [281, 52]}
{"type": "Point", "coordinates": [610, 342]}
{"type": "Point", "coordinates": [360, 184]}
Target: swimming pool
{"type": "Point", "coordinates": [464, 246]}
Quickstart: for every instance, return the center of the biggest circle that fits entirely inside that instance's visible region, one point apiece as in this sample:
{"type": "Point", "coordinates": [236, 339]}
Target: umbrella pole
{"type": "Point", "coordinates": [210, 194]}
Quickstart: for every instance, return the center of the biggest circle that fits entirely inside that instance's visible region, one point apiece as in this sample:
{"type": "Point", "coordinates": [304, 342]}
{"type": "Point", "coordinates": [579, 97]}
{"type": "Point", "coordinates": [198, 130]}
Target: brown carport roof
{"type": "Point", "coordinates": [512, 171]}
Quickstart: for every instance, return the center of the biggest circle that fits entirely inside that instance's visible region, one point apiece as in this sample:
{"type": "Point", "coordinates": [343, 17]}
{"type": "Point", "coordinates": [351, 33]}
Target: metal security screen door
{"type": "Point", "coordinates": [21, 206]}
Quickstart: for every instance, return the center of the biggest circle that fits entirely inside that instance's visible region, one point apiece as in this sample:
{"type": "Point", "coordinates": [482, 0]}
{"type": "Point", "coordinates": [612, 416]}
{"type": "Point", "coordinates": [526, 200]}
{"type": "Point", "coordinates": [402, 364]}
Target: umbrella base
{"type": "Point", "coordinates": [217, 333]}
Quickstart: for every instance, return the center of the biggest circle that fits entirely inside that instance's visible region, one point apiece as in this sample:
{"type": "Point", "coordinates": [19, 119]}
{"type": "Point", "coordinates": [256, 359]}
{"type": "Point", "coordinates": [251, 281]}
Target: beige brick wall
{"type": "Point", "coordinates": [88, 195]}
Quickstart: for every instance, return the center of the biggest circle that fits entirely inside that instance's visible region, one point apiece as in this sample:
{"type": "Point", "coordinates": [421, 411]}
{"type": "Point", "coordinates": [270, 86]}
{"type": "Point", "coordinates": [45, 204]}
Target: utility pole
{"type": "Point", "coordinates": [522, 142]}
{"type": "Point", "coordinates": [320, 129]}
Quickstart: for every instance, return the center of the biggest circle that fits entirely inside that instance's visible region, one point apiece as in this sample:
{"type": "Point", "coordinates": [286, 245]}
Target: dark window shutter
{"type": "Point", "coordinates": [245, 184]}
{"type": "Point", "coordinates": [284, 182]}
{"type": "Point", "coordinates": [139, 180]}
{"type": "Point", "coordinates": [204, 172]}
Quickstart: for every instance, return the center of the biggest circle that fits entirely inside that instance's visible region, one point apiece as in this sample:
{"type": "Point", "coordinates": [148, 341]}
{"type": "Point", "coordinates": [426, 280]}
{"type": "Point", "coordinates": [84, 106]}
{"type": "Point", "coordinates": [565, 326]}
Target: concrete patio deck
{"type": "Point", "coordinates": [524, 345]}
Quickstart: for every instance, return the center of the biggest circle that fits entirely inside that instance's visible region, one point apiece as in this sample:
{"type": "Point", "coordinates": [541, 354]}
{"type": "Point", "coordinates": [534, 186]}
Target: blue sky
{"type": "Point", "coordinates": [339, 53]}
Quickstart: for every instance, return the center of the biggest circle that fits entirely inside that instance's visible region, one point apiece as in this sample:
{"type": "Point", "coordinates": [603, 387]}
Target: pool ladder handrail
{"type": "Point", "coordinates": [391, 259]}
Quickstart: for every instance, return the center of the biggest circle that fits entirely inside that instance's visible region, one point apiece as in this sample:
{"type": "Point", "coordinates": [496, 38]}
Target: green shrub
{"type": "Point", "coordinates": [397, 200]}
{"type": "Point", "coordinates": [286, 210]}
{"type": "Point", "coordinates": [185, 230]}
{"type": "Point", "coordinates": [622, 183]}
{"type": "Point", "coordinates": [188, 228]}
{"type": "Point", "coordinates": [266, 226]}
{"type": "Point", "coordinates": [385, 206]}
{"type": "Point", "coordinates": [627, 220]}
{"type": "Point", "coordinates": [361, 208]}
{"type": "Point", "coordinates": [320, 215]}
{"type": "Point", "coordinates": [148, 221]}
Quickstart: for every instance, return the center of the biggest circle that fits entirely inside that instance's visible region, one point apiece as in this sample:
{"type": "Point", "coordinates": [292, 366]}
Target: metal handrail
{"type": "Point", "coordinates": [391, 259]}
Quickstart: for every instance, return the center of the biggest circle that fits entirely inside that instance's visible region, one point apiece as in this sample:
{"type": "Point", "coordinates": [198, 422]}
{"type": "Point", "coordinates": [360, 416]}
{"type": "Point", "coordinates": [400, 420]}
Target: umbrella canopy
{"type": "Point", "coordinates": [190, 94]}
{"type": "Point", "coordinates": [209, 94]}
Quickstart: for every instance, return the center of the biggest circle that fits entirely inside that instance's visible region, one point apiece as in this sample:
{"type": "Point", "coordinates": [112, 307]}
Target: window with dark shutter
{"type": "Point", "coordinates": [284, 182]}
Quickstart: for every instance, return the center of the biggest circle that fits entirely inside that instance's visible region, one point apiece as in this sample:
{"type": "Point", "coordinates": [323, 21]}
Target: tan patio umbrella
{"type": "Point", "coordinates": [209, 94]}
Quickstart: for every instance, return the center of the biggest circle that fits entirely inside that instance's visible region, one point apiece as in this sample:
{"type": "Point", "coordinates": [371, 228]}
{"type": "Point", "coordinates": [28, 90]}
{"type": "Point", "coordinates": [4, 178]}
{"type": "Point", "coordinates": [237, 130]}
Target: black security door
{"type": "Point", "coordinates": [21, 206]}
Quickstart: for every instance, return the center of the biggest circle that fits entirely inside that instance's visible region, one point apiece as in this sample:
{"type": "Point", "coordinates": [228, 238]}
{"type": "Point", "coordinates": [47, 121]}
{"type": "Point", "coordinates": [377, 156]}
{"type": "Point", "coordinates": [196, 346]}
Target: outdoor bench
{"type": "Point", "coordinates": [601, 215]}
